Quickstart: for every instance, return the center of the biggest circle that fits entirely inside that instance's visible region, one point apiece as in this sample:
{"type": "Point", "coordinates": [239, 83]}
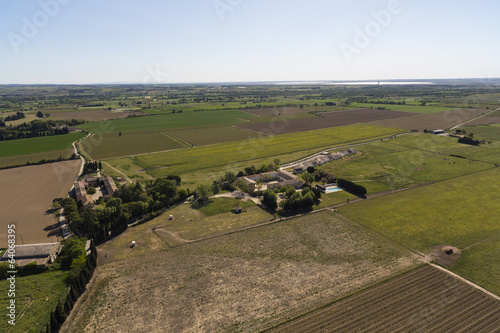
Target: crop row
{"type": "Point", "coordinates": [423, 300]}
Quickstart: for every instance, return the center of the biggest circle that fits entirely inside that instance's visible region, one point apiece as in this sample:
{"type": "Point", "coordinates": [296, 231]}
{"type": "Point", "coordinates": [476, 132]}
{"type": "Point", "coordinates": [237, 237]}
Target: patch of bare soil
{"type": "Point", "coordinates": [445, 255]}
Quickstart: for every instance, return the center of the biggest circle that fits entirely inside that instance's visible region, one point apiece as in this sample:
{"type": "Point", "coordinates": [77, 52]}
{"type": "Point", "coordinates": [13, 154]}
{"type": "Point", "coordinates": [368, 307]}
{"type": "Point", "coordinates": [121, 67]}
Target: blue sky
{"type": "Point", "coordinates": [90, 41]}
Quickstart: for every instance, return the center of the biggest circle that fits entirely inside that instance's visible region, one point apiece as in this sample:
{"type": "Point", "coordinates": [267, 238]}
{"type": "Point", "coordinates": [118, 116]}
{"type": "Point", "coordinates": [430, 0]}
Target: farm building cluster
{"type": "Point", "coordinates": [104, 186]}
{"type": "Point", "coordinates": [271, 180]}
{"type": "Point", "coordinates": [322, 159]}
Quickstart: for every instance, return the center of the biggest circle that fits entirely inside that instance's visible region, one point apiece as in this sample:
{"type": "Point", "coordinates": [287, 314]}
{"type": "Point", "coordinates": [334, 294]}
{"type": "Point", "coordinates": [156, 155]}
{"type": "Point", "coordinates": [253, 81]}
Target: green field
{"type": "Point", "coordinates": [224, 205]}
{"type": "Point", "coordinates": [167, 121]}
{"type": "Point", "coordinates": [113, 145]}
{"type": "Point", "coordinates": [36, 296]}
{"type": "Point", "coordinates": [201, 136]}
{"type": "Point", "coordinates": [19, 160]}
{"type": "Point", "coordinates": [187, 160]}
{"type": "Point", "coordinates": [404, 108]}
{"type": "Point", "coordinates": [38, 145]}
{"type": "Point", "coordinates": [460, 212]}
{"type": "Point", "coordinates": [404, 161]}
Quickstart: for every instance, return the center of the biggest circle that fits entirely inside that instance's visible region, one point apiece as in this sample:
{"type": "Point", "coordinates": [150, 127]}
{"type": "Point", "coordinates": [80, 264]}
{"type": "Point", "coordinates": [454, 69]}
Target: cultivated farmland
{"type": "Point", "coordinates": [20, 160]}
{"type": "Point", "coordinates": [245, 281]}
{"type": "Point", "coordinates": [443, 120]}
{"type": "Point", "coordinates": [93, 115]}
{"type": "Point", "coordinates": [26, 198]}
{"type": "Point", "coordinates": [459, 212]}
{"type": "Point", "coordinates": [186, 160]}
{"type": "Point", "coordinates": [161, 121]}
{"type": "Point", "coordinates": [200, 136]}
{"type": "Point", "coordinates": [112, 145]}
{"type": "Point", "coordinates": [323, 120]}
{"type": "Point", "coordinates": [37, 145]}
{"type": "Point", "coordinates": [424, 300]}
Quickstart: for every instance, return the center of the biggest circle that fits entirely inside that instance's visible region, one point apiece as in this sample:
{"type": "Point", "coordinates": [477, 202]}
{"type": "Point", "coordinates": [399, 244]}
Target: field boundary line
{"type": "Point", "coordinates": [455, 275]}
{"type": "Point", "coordinates": [475, 118]}
{"type": "Point", "coordinates": [179, 140]}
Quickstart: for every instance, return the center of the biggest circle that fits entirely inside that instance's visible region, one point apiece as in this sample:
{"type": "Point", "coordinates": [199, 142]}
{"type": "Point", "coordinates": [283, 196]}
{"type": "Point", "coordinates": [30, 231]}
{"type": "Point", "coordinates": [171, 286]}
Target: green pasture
{"type": "Point", "coordinates": [396, 165]}
{"type": "Point", "coordinates": [167, 120]}
{"type": "Point", "coordinates": [459, 212]}
{"type": "Point", "coordinates": [36, 296]}
{"type": "Point", "coordinates": [37, 145]}
{"type": "Point", "coordinates": [187, 160]}
{"type": "Point", "coordinates": [224, 205]}
{"type": "Point", "coordinates": [113, 145]}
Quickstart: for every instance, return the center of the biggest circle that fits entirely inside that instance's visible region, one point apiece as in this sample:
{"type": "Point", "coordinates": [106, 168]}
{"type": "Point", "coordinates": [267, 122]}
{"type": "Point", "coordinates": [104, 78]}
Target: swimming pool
{"type": "Point", "coordinates": [333, 189]}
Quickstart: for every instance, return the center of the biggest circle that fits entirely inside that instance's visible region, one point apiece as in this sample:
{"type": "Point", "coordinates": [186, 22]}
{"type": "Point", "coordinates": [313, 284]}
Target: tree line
{"type": "Point", "coordinates": [73, 257]}
{"type": "Point", "coordinates": [35, 128]}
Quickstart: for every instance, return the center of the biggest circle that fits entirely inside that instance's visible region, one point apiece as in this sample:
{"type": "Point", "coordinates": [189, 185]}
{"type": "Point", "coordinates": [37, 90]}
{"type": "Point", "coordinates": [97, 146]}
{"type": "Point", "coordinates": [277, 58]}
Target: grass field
{"type": "Point", "coordinates": [26, 198]}
{"type": "Point", "coordinates": [406, 160]}
{"type": "Point", "coordinates": [187, 160]}
{"type": "Point", "coordinates": [201, 136]}
{"type": "Point", "coordinates": [36, 296]}
{"type": "Point", "coordinates": [112, 145]}
{"type": "Point", "coordinates": [169, 121]}
{"type": "Point", "coordinates": [457, 212]}
{"type": "Point", "coordinates": [245, 281]}
{"type": "Point", "coordinates": [188, 224]}
{"type": "Point", "coordinates": [224, 205]}
{"type": "Point", "coordinates": [37, 145]}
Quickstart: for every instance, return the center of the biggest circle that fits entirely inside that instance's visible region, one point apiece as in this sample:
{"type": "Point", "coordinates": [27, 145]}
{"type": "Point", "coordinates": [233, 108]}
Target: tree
{"type": "Point", "coordinates": [74, 247]}
{"type": "Point", "coordinates": [39, 114]}
{"type": "Point", "coordinates": [230, 177]}
{"type": "Point", "coordinates": [290, 191]}
{"type": "Point", "coordinates": [277, 162]}
{"type": "Point", "coordinates": [308, 178]}
{"type": "Point", "coordinates": [270, 200]}
{"type": "Point", "coordinates": [203, 192]}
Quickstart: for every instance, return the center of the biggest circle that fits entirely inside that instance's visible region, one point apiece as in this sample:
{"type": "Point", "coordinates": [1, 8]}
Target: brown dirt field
{"type": "Point", "coordinates": [290, 110]}
{"type": "Point", "coordinates": [244, 282]}
{"type": "Point", "coordinates": [328, 119]}
{"type": "Point", "coordinates": [26, 199]}
{"type": "Point", "coordinates": [93, 115]}
{"type": "Point", "coordinates": [485, 121]}
{"type": "Point", "coordinates": [424, 300]}
{"type": "Point", "coordinates": [443, 120]}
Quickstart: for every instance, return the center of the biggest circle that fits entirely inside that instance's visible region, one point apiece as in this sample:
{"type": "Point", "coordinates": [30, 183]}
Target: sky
{"type": "Point", "coordinates": [188, 41]}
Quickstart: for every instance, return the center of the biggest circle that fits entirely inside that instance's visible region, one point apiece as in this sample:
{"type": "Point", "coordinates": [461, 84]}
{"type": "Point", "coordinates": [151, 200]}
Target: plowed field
{"type": "Point", "coordinates": [425, 300]}
{"type": "Point", "coordinates": [325, 120]}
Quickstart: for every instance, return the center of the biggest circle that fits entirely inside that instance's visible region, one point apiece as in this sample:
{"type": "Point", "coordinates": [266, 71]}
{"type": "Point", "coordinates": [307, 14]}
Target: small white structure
{"type": "Point", "coordinates": [133, 244]}
{"type": "Point", "coordinates": [171, 217]}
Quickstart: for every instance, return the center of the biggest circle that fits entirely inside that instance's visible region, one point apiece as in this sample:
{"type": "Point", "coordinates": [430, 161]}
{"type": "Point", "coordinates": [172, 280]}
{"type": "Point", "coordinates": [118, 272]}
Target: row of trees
{"type": "Point", "coordinates": [92, 166]}
{"type": "Point", "coordinates": [82, 268]}
{"type": "Point", "coordinates": [327, 178]}
{"type": "Point", "coordinates": [35, 128]}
